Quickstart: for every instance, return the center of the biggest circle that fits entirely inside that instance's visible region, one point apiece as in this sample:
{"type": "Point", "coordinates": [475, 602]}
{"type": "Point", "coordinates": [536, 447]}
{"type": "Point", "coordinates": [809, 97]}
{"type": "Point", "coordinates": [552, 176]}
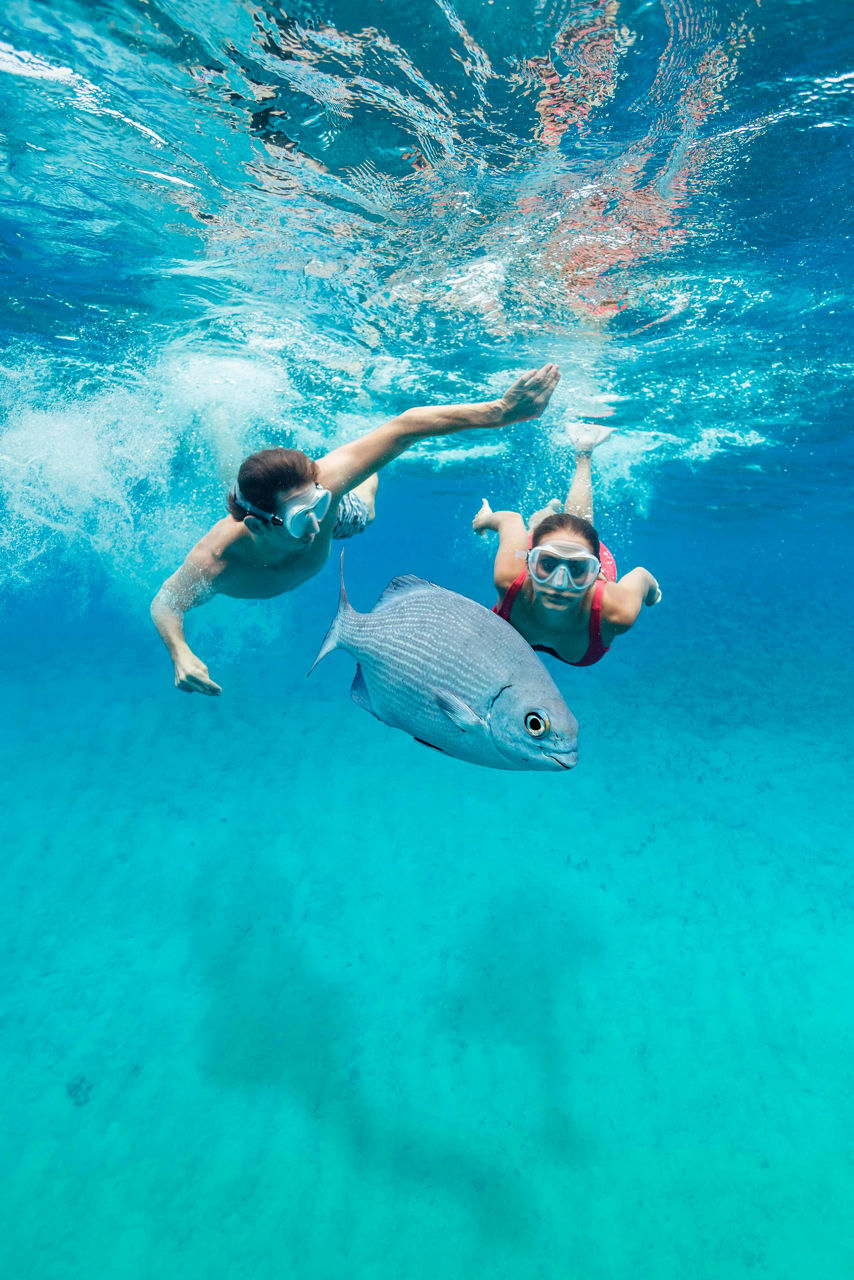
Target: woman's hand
{"type": "Point", "coordinates": [483, 520]}
{"type": "Point", "coordinates": [653, 594]}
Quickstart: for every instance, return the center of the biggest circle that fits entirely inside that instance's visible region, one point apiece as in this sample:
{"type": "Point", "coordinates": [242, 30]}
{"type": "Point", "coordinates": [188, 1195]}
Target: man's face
{"type": "Point", "coordinates": [302, 510]}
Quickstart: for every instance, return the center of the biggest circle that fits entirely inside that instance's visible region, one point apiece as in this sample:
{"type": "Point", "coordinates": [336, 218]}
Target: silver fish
{"type": "Point", "coordinates": [455, 676]}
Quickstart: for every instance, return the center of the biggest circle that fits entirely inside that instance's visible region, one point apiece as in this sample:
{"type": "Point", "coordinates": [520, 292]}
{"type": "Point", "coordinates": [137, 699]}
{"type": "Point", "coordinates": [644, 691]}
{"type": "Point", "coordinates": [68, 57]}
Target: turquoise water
{"type": "Point", "coordinates": [287, 994]}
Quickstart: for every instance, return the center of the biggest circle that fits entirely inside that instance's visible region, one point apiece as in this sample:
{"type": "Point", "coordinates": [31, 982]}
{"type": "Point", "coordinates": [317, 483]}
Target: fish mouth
{"type": "Point", "coordinates": [567, 761]}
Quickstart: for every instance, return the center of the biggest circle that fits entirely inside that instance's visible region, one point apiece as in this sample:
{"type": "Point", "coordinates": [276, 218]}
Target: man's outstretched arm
{"type": "Point", "coordinates": [189, 586]}
{"type": "Point", "coordinates": [347, 466]}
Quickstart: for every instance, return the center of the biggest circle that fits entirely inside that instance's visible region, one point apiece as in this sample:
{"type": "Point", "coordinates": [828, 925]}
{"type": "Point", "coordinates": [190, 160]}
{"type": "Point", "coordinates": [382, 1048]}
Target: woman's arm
{"type": "Point", "coordinates": [512, 542]}
{"type": "Point", "coordinates": [622, 601]}
{"type": "Point", "coordinates": [344, 468]}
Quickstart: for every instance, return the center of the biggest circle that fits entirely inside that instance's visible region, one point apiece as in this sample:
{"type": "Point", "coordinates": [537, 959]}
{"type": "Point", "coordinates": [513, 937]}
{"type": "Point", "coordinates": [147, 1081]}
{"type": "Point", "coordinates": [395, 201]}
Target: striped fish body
{"type": "Point", "coordinates": [455, 676]}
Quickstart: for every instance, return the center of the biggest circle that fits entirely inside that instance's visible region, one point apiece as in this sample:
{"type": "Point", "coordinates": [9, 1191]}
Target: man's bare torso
{"type": "Point", "coordinates": [230, 559]}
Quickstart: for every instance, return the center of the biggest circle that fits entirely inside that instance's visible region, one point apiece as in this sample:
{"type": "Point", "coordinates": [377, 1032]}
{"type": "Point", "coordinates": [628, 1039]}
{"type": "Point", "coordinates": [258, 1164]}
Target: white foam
{"type": "Point", "coordinates": [168, 177]}
{"type": "Point", "coordinates": [87, 96]}
{"type": "Point", "coordinates": [440, 456]}
{"type": "Point", "coordinates": [134, 474]}
{"type": "Point", "coordinates": [714, 440]}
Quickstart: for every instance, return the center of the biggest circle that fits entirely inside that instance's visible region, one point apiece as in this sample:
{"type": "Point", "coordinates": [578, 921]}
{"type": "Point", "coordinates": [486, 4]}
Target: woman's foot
{"type": "Point", "coordinates": [482, 521]}
{"type": "Point", "coordinates": [587, 436]}
{"type": "Point", "coordinates": [552, 508]}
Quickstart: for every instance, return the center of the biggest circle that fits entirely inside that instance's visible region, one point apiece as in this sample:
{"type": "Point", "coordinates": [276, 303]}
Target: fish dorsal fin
{"type": "Point", "coordinates": [333, 635]}
{"type": "Point", "coordinates": [359, 691]}
{"type": "Point", "coordinates": [399, 586]}
{"type": "Point", "coordinates": [463, 716]}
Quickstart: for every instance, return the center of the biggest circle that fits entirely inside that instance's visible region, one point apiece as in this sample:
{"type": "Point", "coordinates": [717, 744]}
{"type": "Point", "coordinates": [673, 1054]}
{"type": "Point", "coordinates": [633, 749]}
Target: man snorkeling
{"type": "Point", "coordinates": [285, 509]}
{"type": "Point", "coordinates": [565, 599]}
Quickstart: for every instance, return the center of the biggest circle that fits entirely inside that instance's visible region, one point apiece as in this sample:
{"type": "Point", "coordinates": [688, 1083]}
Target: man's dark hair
{"type": "Point", "coordinates": [263, 476]}
{"type": "Point", "coordinates": [563, 523]}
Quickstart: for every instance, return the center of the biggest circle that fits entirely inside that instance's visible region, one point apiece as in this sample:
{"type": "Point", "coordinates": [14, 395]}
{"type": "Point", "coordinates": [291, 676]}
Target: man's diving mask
{"type": "Point", "coordinates": [562, 566]}
{"type": "Point", "coordinates": [298, 512]}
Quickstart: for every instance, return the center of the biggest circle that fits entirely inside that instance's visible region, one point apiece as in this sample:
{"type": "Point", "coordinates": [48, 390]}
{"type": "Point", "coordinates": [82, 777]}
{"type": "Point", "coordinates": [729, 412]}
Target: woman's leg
{"type": "Point", "coordinates": [552, 508]}
{"type": "Point", "coordinates": [579, 500]}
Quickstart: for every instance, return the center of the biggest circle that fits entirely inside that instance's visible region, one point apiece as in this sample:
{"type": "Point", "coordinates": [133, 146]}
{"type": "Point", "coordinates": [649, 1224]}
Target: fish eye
{"type": "Point", "coordinates": [537, 723]}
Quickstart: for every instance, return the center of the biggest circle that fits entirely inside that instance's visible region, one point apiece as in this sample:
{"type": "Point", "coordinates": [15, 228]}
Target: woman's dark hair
{"type": "Point", "coordinates": [263, 476]}
{"type": "Point", "coordinates": [565, 524]}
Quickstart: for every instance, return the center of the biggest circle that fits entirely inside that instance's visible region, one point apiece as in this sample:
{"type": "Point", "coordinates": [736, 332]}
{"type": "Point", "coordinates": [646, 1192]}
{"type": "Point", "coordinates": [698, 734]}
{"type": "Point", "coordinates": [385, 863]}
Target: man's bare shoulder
{"type": "Point", "coordinates": [221, 545]}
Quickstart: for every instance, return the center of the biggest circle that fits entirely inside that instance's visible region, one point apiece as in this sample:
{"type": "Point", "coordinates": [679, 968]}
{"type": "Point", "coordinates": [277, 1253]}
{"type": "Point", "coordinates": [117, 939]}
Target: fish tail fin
{"type": "Point", "coordinates": [334, 636]}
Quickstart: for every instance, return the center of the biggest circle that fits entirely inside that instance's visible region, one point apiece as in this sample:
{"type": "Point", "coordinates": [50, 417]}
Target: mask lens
{"type": "Point", "coordinates": [297, 523]}
{"type": "Point", "coordinates": [562, 571]}
{"type": "Point", "coordinates": [316, 505]}
{"type": "Point", "coordinates": [582, 571]}
{"type": "Point", "coordinates": [322, 505]}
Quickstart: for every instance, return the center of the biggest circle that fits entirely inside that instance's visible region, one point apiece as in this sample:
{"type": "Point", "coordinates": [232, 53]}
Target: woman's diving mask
{"type": "Point", "coordinates": [563, 566]}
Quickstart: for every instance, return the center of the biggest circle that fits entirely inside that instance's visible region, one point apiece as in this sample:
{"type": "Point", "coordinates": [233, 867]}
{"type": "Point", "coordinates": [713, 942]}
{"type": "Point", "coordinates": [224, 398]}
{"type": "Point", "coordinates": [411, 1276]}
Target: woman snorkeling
{"type": "Point", "coordinates": [565, 600]}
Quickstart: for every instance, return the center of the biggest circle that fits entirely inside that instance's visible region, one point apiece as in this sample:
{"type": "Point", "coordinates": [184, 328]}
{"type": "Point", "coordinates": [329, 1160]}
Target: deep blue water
{"type": "Point", "coordinates": [287, 994]}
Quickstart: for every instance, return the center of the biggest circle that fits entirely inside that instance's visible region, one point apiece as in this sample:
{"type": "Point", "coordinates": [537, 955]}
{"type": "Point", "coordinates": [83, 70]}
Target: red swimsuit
{"type": "Point", "coordinates": [595, 649]}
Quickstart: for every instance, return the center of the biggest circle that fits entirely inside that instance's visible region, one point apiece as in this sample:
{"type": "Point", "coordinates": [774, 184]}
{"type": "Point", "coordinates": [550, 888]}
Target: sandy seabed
{"type": "Point", "coordinates": [289, 995]}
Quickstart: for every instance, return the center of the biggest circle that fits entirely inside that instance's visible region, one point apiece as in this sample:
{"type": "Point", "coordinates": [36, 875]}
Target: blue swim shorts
{"type": "Point", "coordinates": [353, 516]}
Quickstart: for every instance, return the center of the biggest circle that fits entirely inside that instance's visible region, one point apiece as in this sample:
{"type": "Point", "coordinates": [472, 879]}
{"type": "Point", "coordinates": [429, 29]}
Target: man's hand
{"type": "Point", "coordinates": [350, 464]}
{"type": "Point", "coordinates": [653, 595]}
{"type": "Point", "coordinates": [191, 676]}
{"type": "Point", "coordinates": [528, 396]}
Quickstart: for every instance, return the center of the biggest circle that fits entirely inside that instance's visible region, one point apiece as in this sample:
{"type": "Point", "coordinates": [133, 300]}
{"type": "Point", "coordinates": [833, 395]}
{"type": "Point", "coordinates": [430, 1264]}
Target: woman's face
{"type": "Point", "coordinates": [561, 569]}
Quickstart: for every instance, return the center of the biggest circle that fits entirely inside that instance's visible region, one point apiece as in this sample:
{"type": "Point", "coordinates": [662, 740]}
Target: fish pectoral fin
{"type": "Point", "coordinates": [463, 716]}
{"type": "Point", "coordinates": [359, 691]}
